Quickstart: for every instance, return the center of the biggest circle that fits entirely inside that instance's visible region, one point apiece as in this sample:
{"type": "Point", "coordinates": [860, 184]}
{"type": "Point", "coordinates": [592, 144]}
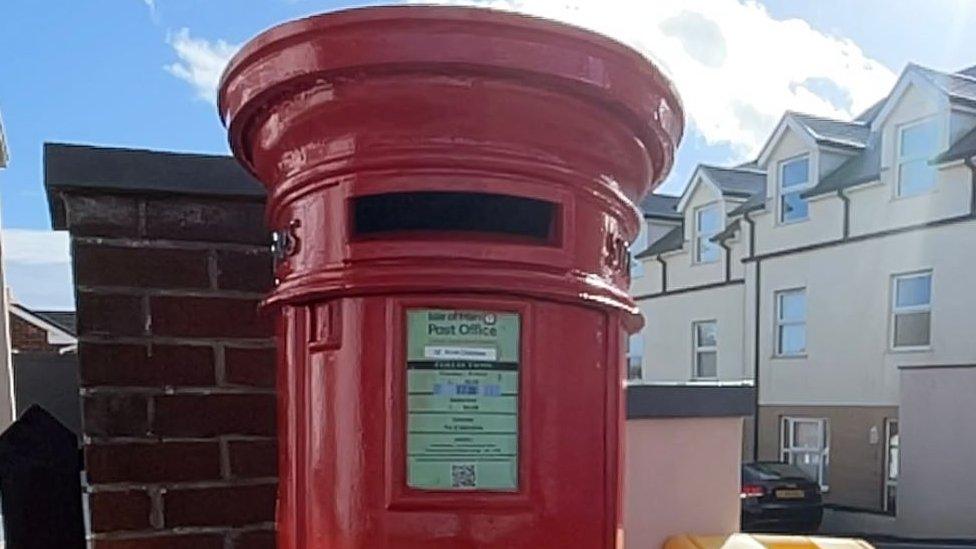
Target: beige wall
{"type": "Point", "coordinates": [667, 333]}
{"type": "Point", "coordinates": [682, 477]}
{"type": "Point", "coordinates": [825, 223]}
{"type": "Point", "coordinates": [938, 448]}
{"type": "Point", "coordinates": [855, 463]}
{"type": "Point", "coordinates": [849, 360]}
{"type": "Point", "coordinates": [875, 208]}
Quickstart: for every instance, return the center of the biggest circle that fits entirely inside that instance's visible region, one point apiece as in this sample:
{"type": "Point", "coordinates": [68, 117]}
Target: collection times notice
{"type": "Point", "coordinates": [462, 399]}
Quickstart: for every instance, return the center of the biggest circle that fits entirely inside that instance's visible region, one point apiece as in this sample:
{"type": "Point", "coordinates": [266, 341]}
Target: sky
{"type": "Point", "coordinates": [142, 73]}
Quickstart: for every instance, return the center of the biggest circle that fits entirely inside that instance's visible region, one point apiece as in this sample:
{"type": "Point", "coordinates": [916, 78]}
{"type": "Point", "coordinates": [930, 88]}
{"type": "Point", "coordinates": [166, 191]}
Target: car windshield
{"type": "Point", "coordinates": [773, 471]}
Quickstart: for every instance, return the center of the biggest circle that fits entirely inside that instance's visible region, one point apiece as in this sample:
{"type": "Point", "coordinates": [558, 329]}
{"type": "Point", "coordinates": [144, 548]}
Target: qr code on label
{"type": "Point", "coordinates": [463, 476]}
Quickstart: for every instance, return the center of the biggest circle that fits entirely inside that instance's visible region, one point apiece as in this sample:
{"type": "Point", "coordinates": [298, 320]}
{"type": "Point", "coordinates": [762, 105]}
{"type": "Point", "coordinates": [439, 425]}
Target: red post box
{"type": "Point", "coordinates": [452, 192]}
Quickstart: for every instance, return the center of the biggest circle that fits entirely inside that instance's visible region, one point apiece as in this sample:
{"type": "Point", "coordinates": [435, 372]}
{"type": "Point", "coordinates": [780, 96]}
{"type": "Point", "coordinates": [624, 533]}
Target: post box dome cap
{"type": "Point", "coordinates": [468, 40]}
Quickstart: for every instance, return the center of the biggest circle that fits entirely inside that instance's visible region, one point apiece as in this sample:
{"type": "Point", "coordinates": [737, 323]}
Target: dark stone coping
{"type": "Point", "coordinates": [910, 367]}
{"type": "Point", "coordinates": [91, 169]}
{"type": "Point", "coordinates": [673, 401]}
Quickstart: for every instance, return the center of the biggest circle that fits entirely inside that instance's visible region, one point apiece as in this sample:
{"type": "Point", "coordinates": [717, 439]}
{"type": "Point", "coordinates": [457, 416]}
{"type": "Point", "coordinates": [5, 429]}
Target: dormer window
{"type": "Point", "coordinates": [708, 223]}
{"type": "Point", "coordinates": [917, 144]}
{"type": "Point", "coordinates": [794, 178]}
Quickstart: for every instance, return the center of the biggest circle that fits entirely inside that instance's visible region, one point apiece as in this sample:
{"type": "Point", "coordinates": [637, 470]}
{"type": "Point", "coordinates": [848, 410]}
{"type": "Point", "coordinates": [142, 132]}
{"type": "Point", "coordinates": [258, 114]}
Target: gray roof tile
{"type": "Point", "coordinates": [960, 87]}
{"type": "Point", "coordinates": [755, 202]}
{"type": "Point", "coordinates": [728, 232]}
{"type": "Point", "coordinates": [741, 182]}
{"type": "Point", "coordinates": [868, 116]}
{"type": "Point", "coordinates": [834, 132]}
{"type": "Point", "coordinates": [860, 169]}
{"type": "Point", "coordinates": [965, 147]}
{"type": "Point", "coordinates": [673, 240]}
{"type": "Point", "coordinates": [971, 71]}
{"type": "Point", "coordinates": [660, 206]}
{"type": "Point", "coordinates": [62, 319]}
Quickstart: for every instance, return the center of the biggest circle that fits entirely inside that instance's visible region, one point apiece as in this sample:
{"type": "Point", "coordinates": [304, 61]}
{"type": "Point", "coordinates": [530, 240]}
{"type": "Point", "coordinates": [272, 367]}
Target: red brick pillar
{"type": "Point", "coordinates": [170, 259]}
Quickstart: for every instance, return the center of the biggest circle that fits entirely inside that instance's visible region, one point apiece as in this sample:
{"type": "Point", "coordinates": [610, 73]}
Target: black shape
{"type": "Point", "coordinates": [659, 401]}
{"type": "Point", "coordinates": [40, 483]}
{"type": "Point", "coordinates": [467, 212]}
{"type": "Point", "coordinates": [49, 380]}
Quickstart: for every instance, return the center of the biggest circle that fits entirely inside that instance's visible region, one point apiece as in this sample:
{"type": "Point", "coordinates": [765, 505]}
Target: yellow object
{"type": "Point", "coordinates": [762, 541]}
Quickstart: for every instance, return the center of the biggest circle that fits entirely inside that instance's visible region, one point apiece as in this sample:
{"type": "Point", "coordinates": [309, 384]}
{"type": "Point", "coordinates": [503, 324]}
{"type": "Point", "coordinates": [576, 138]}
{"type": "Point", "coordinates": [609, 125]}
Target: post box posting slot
{"type": "Point", "coordinates": [462, 399]}
{"type": "Point", "coordinates": [430, 212]}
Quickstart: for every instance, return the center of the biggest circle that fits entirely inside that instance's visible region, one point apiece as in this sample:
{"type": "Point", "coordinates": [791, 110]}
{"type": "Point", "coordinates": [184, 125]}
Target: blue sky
{"type": "Point", "coordinates": [139, 73]}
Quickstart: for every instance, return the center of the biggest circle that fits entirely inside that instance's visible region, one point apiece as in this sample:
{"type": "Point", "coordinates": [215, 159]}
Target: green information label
{"type": "Point", "coordinates": [462, 399]}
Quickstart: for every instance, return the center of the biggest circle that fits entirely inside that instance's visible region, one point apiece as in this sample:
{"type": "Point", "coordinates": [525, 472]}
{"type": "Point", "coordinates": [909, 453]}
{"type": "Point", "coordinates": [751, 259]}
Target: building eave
{"type": "Point", "coordinates": [30, 317]}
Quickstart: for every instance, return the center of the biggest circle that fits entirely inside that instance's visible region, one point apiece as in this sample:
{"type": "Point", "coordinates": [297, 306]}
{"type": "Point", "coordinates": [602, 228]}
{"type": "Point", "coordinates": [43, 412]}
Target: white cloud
{"type": "Point", "coordinates": [35, 247]}
{"type": "Point", "coordinates": [37, 268]}
{"type": "Point", "coordinates": [736, 68]}
{"type": "Point", "coordinates": [201, 62]}
{"type": "Point", "coordinates": [153, 10]}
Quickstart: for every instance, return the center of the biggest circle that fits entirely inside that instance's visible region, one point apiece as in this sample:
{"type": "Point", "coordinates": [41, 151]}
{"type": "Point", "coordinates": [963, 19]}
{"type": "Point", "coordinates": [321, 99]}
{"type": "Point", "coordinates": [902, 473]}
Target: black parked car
{"type": "Point", "coordinates": [778, 497]}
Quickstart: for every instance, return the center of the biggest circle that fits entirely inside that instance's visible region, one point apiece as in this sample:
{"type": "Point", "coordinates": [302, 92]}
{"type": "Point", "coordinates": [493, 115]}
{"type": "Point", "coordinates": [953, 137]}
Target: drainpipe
{"type": "Point", "coordinates": [756, 334]}
{"type": "Point", "coordinates": [971, 164]}
{"type": "Point", "coordinates": [728, 258]}
{"type": "Point", "coordinates": [664, 273]}
{"type": "Point", "coordinates": [847, 212]}
{"type": "Point", "coordinates": [752, 234]}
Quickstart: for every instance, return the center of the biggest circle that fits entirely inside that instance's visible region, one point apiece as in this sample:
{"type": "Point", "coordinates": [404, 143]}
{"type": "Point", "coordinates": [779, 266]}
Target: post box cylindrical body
{"type": "Point", "coordinates": [452, 192]}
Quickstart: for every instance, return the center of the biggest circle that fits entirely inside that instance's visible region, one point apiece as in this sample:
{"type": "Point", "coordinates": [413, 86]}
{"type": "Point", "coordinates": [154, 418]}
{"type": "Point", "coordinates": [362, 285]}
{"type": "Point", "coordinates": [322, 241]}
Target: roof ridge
{"type": "Point", "coordinates": [819, 117]}
{"type": "Point", "coordinates": [732, 169]}
{"type": "Point", "coordinates": [966, 71]}
{"type": "Point", "coordinates": [124, 148]}
{"type": "Point", "coordinates": [964, 76]}
{"type": "Point", "coordinates": [942, 73]}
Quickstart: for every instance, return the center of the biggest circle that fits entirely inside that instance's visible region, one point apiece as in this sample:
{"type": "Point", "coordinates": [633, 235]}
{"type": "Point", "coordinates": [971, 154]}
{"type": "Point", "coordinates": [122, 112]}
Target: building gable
{"type": "Point", "coordinates": [910, 77]}
{"type": "Point", "coordinates": [693, 192]}
{"type": "Point", "coordinates": [787, 129]}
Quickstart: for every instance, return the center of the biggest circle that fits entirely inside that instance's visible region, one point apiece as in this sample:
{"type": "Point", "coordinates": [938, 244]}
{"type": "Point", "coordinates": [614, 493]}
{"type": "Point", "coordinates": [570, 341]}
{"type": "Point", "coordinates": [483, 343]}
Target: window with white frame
{"type": "Point", "coordinates": [705, 340]}
{"type": "Point", "coordinates": [917, 144]}
{"type": "Point", "coordinates": [911, 310]}
{"type": "Point", "coordinates": [708, 223]}
{"type": "Point", "coordinates": [805, 443]}
{"type": "Point", "coordinates": [891, 466]}
{"type": "Point", "coordinates": [791, 322]}
{"type": "Point", "coordinates": [635, 357]}
{"type": "Point", "coordinates": [794, 178]}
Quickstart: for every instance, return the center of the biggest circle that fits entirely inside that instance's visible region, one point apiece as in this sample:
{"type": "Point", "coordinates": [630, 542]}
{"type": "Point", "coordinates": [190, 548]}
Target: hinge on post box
{"type": "Point", "coordinates": [326, 326]}
{"type": "Point", "coordinates": [617, 253]}
{"type": "Point", "coordinates": [284, 242]}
